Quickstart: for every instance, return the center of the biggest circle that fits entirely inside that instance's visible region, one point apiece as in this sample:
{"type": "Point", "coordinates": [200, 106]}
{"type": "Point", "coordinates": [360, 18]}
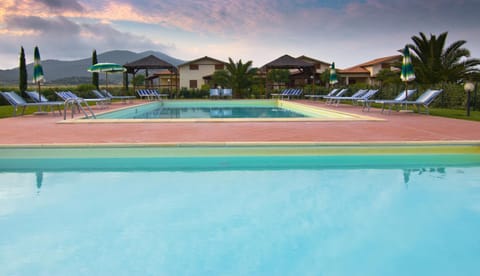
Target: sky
{"type": "Point", "coordinates": [347, 32]}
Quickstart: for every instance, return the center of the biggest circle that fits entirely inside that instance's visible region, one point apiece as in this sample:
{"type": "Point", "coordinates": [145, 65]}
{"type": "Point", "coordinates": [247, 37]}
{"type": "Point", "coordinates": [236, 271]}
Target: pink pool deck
{"type": "Point", "coordinates": [396, 127]}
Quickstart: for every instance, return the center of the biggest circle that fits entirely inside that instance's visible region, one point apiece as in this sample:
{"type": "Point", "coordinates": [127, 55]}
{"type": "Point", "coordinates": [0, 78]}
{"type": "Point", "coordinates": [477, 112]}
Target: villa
{"type": "Point", "coordinates": [195, 73]}
{"type": "Point", "coordinates": [366, 72]}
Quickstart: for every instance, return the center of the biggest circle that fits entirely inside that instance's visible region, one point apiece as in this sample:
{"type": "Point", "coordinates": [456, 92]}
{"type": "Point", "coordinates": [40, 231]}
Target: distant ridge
{"type": "Point", "coordinates": [57, 71]}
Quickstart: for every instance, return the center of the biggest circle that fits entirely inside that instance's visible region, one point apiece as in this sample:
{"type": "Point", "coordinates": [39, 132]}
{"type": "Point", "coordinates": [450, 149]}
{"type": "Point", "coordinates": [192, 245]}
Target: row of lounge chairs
{"type": "Point", "coordinates": [365, 97]}
{"type": "Point", "coordinates": [150, 94]}
{"type": "Point", "coordinates": [217, 93]}
{"type": "Point", "coordinates": [18, 102]}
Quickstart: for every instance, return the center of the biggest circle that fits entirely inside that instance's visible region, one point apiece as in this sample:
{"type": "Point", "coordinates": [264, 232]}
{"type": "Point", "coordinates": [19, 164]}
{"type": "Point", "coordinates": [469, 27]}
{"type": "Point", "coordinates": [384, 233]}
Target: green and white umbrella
{"type": "Point", "coordinates": [407, 69]}
{"type": "Point", "coordinates": [38, 76]}
{"type": "Point", "coordinates": [333, 75]}
{"type": "Point", "coordinates": [106, 67]}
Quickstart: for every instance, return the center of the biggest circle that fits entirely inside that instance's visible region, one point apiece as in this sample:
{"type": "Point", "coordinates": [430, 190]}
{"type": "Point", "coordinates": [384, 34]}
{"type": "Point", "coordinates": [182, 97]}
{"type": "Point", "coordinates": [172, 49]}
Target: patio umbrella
{"type": "Point", "coordinates": [333, 75]}
{"type": "Point", "coordinates": [37, 71]}
{"type": "Point", "coordinates": [107, 68]}
{"type": "Point", "coordinates": [407, 69]}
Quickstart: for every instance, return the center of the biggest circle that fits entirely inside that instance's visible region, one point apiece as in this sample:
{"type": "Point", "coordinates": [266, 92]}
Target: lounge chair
{"type": "Point", "coordinates": [402, 96]}
{"type": "Point", "coordinates": [330, 99]}
{"type": "Point", "coordinates": [214, 93]}
{"type": "Point", "coordinates": [16, 101]}
{"type": "Point", "coordinates": [330, 94]}
{"type": "Point", "coordinates": [112, 97]}
{"type": "Point", "coordinates": [423, 100]}
{"type": "Point", "coordinates": [226, 93]}
{"type": "Point", "coordinates": [69, 96]}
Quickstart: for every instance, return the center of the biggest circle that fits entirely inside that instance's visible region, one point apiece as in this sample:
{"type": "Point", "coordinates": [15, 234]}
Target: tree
{"type": "Point", "coordinates": [434, 63]}
{"type": "Point", "coordinates": [95, 79]}
{"type": "Point", "coordinates": [242, 76]}
{"type": "Point", "coordinates": [278, 76]}
{"type": "Point", "coordinates": [388, 77]}
{"type": "Point", "coordinates": [221, 77]}
{"type": "Point", "coordinates": [23, 86]}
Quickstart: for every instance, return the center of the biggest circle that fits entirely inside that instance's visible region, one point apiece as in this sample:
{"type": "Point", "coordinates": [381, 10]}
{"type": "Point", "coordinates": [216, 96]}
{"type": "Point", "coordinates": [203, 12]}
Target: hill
{"type": "Point", "coordinates": [57, 71]}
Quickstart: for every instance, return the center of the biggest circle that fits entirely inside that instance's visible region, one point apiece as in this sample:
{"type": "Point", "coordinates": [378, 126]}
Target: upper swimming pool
{"type": "Point", "coordinates": [208, 110]}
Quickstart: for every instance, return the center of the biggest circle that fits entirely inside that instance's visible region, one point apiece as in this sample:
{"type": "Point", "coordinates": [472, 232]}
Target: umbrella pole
{"type": "Point", "coordinates": [39, 97]}
{"type": "Point", "coordinates": [106, 80]}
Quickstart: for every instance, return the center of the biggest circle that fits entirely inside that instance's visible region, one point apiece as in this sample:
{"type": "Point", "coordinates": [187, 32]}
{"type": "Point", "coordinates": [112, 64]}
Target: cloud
{"type": "Point", "coordinates": [61, 38]}
{"type": "Point", "coordinates": [347, 31]}
{"type": "Point", "coordinates": [63, 5]}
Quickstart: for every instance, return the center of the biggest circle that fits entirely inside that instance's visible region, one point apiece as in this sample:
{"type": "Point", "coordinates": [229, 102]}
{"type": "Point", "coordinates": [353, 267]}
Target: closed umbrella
{"type": "Point", "coordinates": [407, 69]}
{"type": "Point", "coordinates": [333, 75]}
{"type": "Point", "coordinates": [38, 76]}
{"type": "Point", "coordinates": [107, 68]}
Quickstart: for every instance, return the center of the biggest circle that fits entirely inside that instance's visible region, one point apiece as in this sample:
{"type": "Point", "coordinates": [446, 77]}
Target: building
{"type": "Point", "coordinates": [366, 72]}
{"type": "Point", "coordinates": [195, 73]}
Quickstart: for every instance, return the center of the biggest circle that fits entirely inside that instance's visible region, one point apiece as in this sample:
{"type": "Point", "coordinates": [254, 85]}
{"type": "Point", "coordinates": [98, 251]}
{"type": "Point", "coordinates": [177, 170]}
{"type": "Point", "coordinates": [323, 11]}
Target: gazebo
{"type": "Point", "coordinates": [153, 62]}
{"type": "Point", "coordinates": [289, 62]}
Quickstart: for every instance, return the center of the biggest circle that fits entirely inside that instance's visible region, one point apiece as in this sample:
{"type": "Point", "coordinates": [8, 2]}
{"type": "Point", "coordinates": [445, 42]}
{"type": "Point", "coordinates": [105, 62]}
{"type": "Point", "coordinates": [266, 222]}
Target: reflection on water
{"type": "Point", "coordinates": [432, 172]}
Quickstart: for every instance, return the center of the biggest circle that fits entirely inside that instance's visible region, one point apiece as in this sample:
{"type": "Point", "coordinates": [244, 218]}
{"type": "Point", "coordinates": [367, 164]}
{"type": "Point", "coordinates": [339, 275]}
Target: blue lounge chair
{"type": "Point", "coordinates": [226, 93]}
{"type": "Point", "coordinates": [107, 94]}
{"type": "Point", "coordinates": [214, 93]}
{"type": "Point", "coordinates": [423, 100]}
{"type": "Point", "coordinates": [288, 93]}
{"type": "Point", "coordinates": [150, 94]}
{"type": "Point", "coordinates": [16, 101]}
{"type": "Point", "coordinates": [402, 96]}
{"type": "Point", "coordinates": [330, 99]}
{"type": "Point", "coordinates": [70, 96]}
{"type": "Point", "coordinates": [284, 92]}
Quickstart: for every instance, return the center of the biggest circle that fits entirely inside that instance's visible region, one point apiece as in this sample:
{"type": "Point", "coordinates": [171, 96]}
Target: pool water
{"type": "Point", "coordinates": [241, 215]}
{"type": "Point", "coordinates": [225, 109]}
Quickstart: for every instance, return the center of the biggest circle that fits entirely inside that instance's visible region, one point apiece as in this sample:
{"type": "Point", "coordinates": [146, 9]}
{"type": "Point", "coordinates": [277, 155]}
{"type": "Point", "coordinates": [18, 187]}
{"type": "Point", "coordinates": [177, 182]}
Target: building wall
{"type": "Point", "coordinates": [205, 67]}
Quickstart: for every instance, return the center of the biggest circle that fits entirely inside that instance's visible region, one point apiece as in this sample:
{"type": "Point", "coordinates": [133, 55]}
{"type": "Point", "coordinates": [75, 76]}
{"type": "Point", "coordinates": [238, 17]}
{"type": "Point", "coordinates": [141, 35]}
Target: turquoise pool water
{"type": "Point", "coordinates": [240, 215]}
{"type": "Point", "coordinates": [203, 109]}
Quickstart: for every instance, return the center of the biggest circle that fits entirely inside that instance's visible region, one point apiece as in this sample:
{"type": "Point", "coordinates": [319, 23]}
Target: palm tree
{"type": "Point", "coordinates": [238, 76]}
{"type": "Point", "coordinates": [434, 63]}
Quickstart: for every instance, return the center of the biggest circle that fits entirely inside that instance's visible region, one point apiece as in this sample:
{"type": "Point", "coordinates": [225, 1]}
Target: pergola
{"type": "Point", "coordinates": [152, 62]}
{"type": "Point", "coordinates": [289, 62]}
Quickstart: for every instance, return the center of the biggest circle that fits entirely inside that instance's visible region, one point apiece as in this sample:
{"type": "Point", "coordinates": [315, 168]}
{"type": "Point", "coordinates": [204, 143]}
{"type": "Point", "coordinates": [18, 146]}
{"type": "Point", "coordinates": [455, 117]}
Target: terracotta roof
{"type": "Point", "coordinates": [198, 59]}
{"type": "Point", "coordinates": [360, 69]}
{"type": "Point", "coordinates": [354, 70]}
{"type": "Point", "coordinates": [381, 60]}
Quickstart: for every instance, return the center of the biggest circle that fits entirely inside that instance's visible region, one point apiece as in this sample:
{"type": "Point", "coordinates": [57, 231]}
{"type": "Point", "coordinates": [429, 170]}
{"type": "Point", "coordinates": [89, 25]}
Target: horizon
{"type": "Point", "coordinates": [347, 32]}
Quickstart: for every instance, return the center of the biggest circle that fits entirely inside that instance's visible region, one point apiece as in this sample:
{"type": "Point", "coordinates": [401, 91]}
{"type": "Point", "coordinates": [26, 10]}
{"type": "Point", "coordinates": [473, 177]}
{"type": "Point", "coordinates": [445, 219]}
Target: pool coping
{"type": "Point", "coordinates": [239, 149]}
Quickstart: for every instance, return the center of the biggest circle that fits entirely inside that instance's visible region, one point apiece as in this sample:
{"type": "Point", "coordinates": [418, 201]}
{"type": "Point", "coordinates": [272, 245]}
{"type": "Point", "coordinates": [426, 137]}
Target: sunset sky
{"type": "Point", "coordinates": [346, 32]}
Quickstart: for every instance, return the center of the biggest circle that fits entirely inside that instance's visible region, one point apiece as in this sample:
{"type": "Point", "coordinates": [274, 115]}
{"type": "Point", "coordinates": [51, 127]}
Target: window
{"type": "Point", "coordinates": [193, 84]}
{"type": "Point", "coordinates": [219, 66]}
{"type": "Point", "coordinates": [193, 66]}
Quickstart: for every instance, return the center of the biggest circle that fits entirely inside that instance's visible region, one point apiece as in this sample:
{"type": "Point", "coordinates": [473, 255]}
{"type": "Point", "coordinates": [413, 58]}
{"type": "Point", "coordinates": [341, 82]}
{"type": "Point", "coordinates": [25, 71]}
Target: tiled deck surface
{"type": "Point", "coordinates": [397, 127]}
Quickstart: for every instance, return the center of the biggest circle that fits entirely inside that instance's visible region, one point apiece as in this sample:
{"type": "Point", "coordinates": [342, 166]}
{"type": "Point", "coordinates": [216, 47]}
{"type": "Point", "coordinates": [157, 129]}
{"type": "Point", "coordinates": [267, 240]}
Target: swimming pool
{"type": "Point", "coordinates": [223, 110]}
{"type": "Point", "coordinates": [240, 210]}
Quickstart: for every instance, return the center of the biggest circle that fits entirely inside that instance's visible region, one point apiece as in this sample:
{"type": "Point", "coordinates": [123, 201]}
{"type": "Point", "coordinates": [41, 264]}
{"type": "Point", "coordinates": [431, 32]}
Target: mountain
{"type": "Point", "coordinates": [72, 72]}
